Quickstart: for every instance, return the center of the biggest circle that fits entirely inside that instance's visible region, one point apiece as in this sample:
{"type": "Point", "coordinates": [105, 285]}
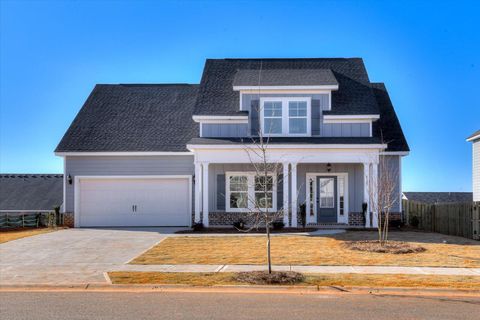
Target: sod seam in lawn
{"type": "Point", "coordinates": [307, 251]}
{"type": "Point", "coordinates": [344, 280]}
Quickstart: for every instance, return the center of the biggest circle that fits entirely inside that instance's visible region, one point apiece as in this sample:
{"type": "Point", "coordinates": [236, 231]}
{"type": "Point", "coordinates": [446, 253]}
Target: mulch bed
{"type": "Point", "coordinates": [263, 277]}
{"type": "Point", "coordinates": [395, 247]}
{"type": "Point", "coordinates": [235, 231]}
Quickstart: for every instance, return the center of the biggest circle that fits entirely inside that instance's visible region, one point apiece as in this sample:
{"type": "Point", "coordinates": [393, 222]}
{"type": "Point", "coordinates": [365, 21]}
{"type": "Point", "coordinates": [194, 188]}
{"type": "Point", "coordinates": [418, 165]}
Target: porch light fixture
{"type": "Point", "coordinates": [69, 179]}
{"type": "Point", "coordinates": [329, 167]}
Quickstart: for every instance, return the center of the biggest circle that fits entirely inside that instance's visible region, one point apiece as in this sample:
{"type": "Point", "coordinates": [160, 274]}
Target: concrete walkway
{"type": "Point", "coordinates": [303, 269]}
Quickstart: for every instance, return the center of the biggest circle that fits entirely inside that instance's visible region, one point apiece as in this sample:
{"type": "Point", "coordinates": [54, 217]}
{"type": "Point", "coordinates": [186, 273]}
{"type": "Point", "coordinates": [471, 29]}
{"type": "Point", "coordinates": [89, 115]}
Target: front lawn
{"type": "Point", "coordinates": [313, 250]}
{"type": "Point", "coordinates": [343, 280]}
{"type": "Point", "coordinates": [9, 235]}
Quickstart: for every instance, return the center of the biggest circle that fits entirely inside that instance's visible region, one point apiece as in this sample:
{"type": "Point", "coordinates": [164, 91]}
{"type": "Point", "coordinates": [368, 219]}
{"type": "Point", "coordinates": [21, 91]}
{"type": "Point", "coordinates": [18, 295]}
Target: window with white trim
{"type": "Point", "coordinates": [327, 193]}
{"type": "Point", "coordinates": [286, 116]}
{"type": "Point", "coordinates": [246, 191]}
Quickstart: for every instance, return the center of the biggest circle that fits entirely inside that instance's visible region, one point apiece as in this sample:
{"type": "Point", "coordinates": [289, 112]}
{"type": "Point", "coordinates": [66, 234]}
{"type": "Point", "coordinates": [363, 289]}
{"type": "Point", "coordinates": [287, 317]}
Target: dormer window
{"type": "Point", "coordinates": [285, 116]}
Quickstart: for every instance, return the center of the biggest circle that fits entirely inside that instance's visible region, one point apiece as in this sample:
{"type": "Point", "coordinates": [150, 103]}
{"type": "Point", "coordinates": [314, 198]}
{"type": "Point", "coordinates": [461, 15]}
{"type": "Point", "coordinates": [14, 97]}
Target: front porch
{"type": "Point", "coordinates": [329, 186]}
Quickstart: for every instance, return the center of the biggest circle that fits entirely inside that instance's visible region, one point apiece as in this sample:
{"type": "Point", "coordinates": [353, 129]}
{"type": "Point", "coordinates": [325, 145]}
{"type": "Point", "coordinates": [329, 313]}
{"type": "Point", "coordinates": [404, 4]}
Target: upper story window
{"type": "Point", "coordinates": [285, 116]}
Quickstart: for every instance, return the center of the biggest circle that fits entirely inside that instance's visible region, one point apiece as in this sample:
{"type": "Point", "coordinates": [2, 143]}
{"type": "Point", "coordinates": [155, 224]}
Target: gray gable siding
{"type": "Point", "coordinates": [221, 130]}
{"type": "Point", "coordinates": [123, 165]}
{"type": "Point", "coordinates": [345, 130]}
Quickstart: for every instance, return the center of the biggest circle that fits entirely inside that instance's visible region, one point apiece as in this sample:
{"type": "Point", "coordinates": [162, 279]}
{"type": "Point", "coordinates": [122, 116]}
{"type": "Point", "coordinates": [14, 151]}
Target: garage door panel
{"type": "Point", "coordinates": [159, 202]}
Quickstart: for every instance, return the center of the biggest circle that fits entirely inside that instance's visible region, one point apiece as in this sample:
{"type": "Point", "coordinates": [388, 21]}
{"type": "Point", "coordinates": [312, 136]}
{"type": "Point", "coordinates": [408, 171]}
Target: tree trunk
{"type": "Point", "coordinates": [269, 261]}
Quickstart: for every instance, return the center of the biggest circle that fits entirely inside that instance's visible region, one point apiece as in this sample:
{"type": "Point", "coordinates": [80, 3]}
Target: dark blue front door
{"type": "Point", "coordinates": [326, 199]}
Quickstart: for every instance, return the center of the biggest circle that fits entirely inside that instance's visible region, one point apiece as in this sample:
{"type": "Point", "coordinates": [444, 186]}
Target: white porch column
{"type": "Point", "coordinates": [374, 186]}
{"type": "Point", "coordinates": [366, 194]}
{"type": "Point", "coordinates": [198, 191]}
{"type": "Point", "coordinates": [285, 194]}
{"type": "Point", "coordinates": [205, 193]}
{"type": "Point", "coordinates": [294, 195]}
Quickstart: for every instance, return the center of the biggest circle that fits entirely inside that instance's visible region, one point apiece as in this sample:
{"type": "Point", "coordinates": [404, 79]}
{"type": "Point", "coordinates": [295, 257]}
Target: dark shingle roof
{"type": "Point", "coordinates": [281, 140]}
{"type": "Point", "coordinates": [134, 118]}
{"type": "Point", "coordinates": [30, 191]}
{"type": "Point", "coordinates": [439, 197]}
{"type": "Point", "coordinates": [476, 133]}
{"type": "Point", "coordinates": [388, 127]}
{"type": "Point", "coordinates": [216, 95]}
{"type": "Point", "coordinates": [284, 77]}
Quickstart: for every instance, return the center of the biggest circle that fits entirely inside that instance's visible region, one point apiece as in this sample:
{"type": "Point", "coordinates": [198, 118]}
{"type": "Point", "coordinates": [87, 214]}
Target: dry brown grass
{"type": "Point", "coordinates": [263, 277]}
{"type": "Point", "coordinates": [306, 250]}
{"type": "Point", "coordinates": [9, 235]}
{"type": "Point", "coordinates": [344, 280]}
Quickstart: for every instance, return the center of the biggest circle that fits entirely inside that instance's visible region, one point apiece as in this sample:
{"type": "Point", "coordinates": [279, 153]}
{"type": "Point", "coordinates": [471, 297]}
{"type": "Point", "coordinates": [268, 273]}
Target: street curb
{"type": "Point", "coordinates": [99, 287]}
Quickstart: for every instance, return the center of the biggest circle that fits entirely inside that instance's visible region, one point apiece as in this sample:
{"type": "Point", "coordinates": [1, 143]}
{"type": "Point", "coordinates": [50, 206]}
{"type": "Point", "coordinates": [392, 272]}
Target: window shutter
{"type": "Point", "coordinates": [316, 115]}
{"type": "Point", "coordinates": [254, 117]}
{"type": "Point", "coordinates": [220, 192]}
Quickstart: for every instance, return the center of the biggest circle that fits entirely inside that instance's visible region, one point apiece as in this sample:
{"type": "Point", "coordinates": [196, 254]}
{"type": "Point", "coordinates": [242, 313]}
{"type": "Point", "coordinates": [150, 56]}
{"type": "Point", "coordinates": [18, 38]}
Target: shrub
{"type": "Point", "coordinates": [198, 226]}
{"type": "Point", "coordinates": [414, 221]}
{"type": "Point", "coordinates": [239, 224]}
{"type": "Point", "coordinates": [278, 225]}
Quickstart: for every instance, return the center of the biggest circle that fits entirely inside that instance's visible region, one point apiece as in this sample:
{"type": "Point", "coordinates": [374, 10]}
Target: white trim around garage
{"type": "Point", "coordinates": [154, 177]}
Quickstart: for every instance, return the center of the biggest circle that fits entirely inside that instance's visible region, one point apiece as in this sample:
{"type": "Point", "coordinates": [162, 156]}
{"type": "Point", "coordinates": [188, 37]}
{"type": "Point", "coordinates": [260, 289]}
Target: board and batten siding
{"type": "Point", "coordinates": [225, 130]}
{"type": "Point", "coordinates": [476, 170]}
{"type": "Point", "coordinates": [392, 163]}
{"type": "Point", "coordinates": [123, 166]}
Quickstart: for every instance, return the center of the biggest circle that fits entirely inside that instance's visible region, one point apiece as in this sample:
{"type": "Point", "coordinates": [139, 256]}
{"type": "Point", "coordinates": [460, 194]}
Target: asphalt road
{"type": "Point", "coordinates": [176, 305]}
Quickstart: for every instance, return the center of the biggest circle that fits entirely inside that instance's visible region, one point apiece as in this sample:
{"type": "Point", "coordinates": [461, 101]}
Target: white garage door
{"type": "Point", "coordinates": [133, 202]}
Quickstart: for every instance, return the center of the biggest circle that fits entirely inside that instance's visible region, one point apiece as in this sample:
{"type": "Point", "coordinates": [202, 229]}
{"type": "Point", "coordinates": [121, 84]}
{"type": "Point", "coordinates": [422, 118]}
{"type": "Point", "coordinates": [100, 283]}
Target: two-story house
{"type": "Point", "coordinates": [175, 154]}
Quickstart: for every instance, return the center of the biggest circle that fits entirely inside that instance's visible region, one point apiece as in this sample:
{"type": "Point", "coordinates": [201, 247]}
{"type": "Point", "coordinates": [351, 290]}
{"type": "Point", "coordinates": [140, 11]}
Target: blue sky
{"type": "Point", "coordinates": [427, 53]}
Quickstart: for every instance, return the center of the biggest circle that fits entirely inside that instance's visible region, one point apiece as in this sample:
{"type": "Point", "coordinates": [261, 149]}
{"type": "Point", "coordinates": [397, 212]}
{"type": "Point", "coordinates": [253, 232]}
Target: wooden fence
{"type": "Point", "coordinates": [457, 219]}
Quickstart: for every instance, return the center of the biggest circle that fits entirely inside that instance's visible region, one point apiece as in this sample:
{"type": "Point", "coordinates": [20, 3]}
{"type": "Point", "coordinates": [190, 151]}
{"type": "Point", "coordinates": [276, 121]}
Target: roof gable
{"type": "Point", "coordinates": [217, 97]}
{"type": "Point", "coordinates": [134, 118]}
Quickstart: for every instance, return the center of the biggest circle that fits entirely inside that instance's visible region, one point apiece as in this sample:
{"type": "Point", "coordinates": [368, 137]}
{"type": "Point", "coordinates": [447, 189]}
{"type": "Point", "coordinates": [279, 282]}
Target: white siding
{"type": "Point", "coordinates": [476, 170]}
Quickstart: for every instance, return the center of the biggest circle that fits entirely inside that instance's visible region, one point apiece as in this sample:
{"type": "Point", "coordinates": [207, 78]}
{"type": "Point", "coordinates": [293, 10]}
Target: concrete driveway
{"type": "Point", "coordinates": [73, 256]}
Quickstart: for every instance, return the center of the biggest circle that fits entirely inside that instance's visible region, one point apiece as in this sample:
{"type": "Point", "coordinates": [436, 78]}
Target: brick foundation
{"type": "Point", "coordinates": [228, 218]}
{"type": "Point", "coordinates": [357, 219]}
{"type": "Point", "coordinates": [68, 219]}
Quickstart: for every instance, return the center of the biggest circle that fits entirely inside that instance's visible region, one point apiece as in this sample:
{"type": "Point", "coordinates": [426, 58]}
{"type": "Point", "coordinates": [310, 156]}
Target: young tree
{"type": "Point", "coordinates": [383, 195]}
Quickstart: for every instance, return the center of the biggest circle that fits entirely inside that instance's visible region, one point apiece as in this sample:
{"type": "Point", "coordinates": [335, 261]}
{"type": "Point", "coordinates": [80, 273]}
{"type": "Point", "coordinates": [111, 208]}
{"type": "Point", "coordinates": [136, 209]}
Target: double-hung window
{"type": "Point", "coordinates": [246, 191]}
{"type": "Point", "coordinates": [286, 116]}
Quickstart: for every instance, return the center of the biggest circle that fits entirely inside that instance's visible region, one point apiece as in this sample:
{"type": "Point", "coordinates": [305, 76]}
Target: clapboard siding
{"type": "Point", "coordinates": [123, 165]}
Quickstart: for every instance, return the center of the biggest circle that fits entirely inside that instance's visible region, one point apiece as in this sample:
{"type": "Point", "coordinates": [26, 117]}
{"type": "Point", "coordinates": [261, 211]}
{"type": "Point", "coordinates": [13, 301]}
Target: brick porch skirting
{"type": "Point", "coordinates": [68, 219]}
{"type": "Point", "coordinates": [357, 219]}
{"type": "Point", "coordinates": [228, 218]}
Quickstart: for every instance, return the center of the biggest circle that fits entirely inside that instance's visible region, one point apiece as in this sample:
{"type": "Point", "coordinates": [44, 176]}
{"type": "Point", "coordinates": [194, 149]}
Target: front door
{"type": "Point", "coordinates": [327, 199]}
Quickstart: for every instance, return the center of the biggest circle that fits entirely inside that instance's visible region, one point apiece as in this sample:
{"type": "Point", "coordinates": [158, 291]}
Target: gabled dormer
{"type": "Point", "coordinates": [286, 98]}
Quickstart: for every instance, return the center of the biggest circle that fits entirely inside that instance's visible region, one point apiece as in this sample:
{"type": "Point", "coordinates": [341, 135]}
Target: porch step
{"type": "Point", "coordinates": [329, 225]}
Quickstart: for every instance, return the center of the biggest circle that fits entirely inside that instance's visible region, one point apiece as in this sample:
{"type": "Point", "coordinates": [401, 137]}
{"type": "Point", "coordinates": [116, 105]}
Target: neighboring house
{"type": "Point", "coordinates": [438, 197]}
{"type": "Point", "coordinates": [23, 193]}
{"type": "Point", "coordinates": [174, 154]}
{"type": "Point", "coordinates": [475, 139]}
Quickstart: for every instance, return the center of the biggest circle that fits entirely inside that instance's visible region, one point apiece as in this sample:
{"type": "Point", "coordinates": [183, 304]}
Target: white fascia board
{"type": "Point", "coordinates": [218, 119]}
{"type": "Point", "coordinates": [324, 87]}
{"type": "Point", "coordinates": [351, 117]}
{"type": "Point", "coordinates": [76, 154]}
{"type": "Point", "coordinates": [474, 137]}
{"type": "Point", "coordinates": [291, 146]}
{"type": "Point", "coordinates": [395, 153]}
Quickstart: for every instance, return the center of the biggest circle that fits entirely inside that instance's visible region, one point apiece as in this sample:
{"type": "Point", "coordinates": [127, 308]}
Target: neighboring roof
{"type": "Point", "coordinates": [285, 140]}
{"type": "Point", "coordinates": [140, 117]}
{"type": "Point", "coordinates": [284, 77]}
{"type": "Point", "coordinates": [217, 97]}
{"type": "Point", "coordinates": [388, 128]}
{"type": "Point", "coordinates": [439, 197]}
{"type": "Point", "coordinates": [30, 191]}
{"type": "Point", "coordinates": [474, 136]}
